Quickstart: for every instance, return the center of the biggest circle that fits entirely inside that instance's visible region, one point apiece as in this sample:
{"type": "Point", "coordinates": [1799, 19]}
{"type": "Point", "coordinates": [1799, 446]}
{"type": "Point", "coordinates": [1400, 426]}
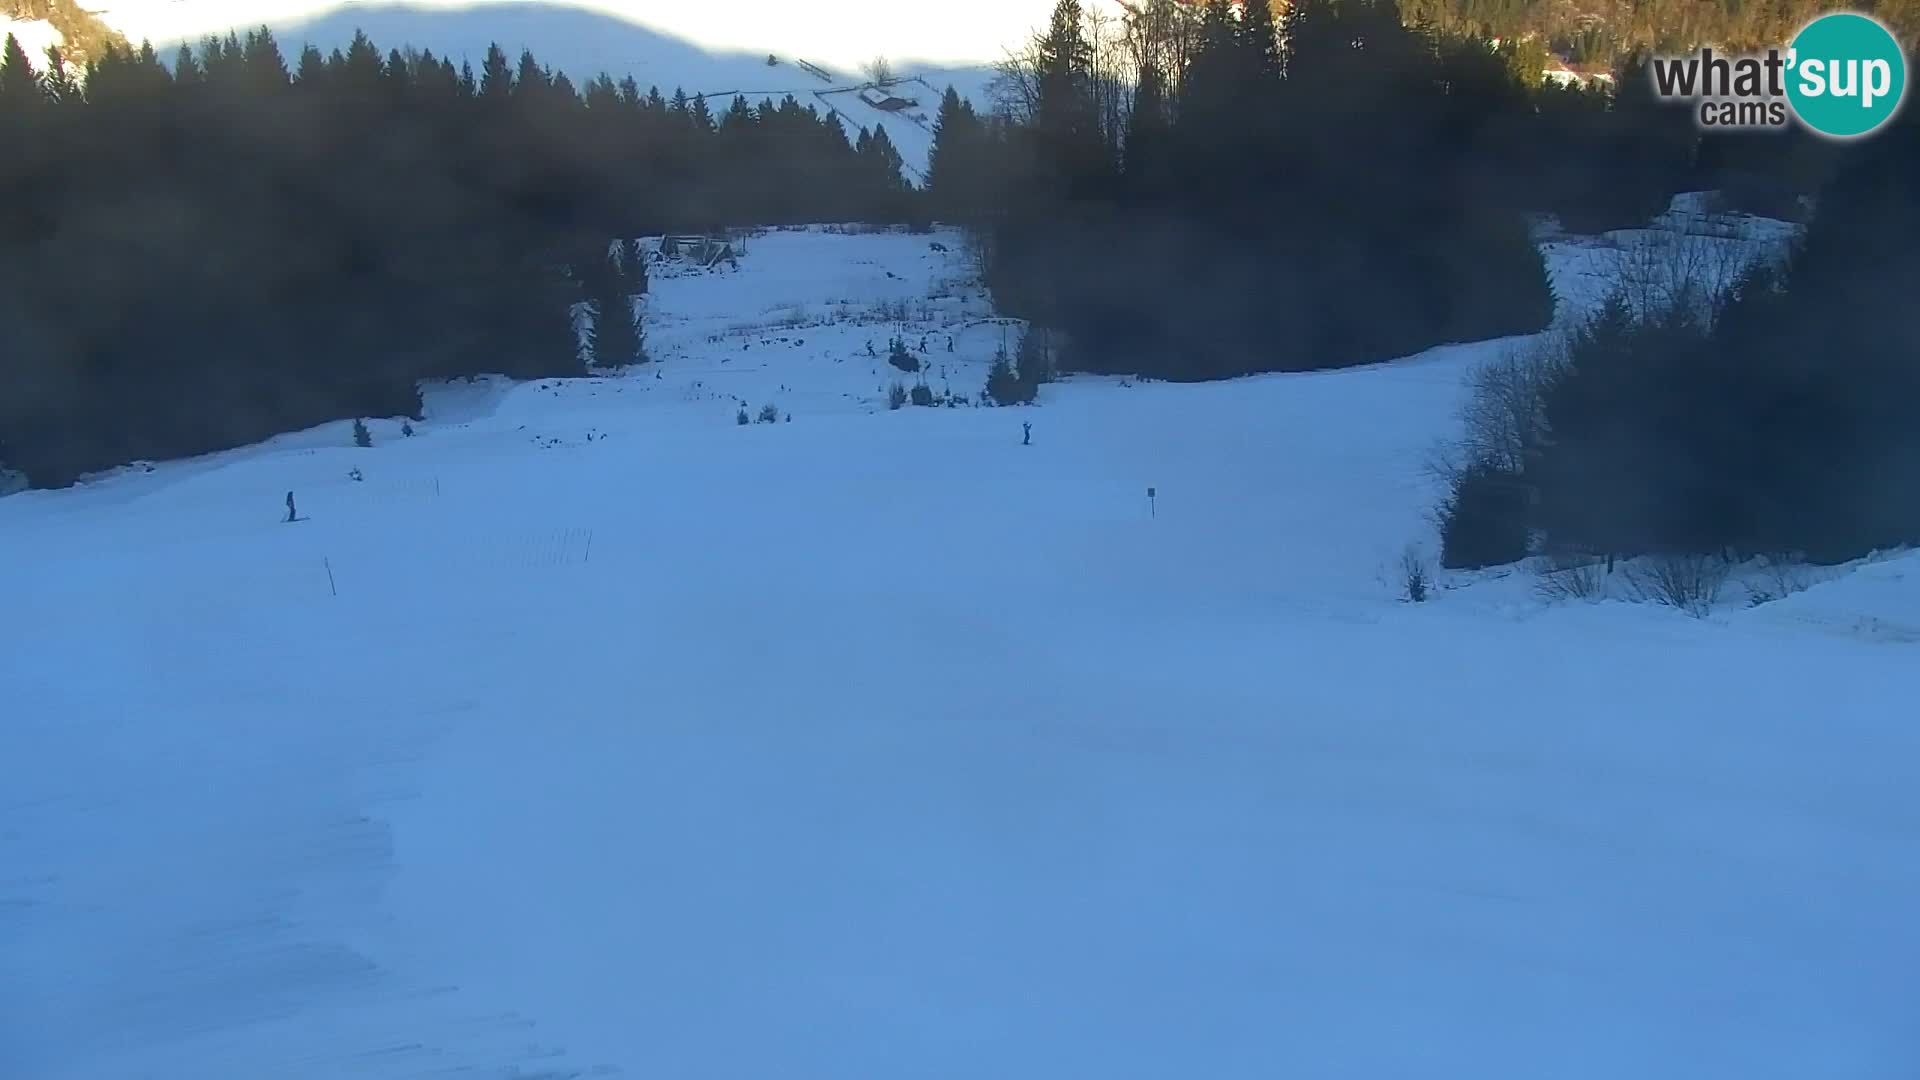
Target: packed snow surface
{"type": "Point", "coordinates": [594, 733]}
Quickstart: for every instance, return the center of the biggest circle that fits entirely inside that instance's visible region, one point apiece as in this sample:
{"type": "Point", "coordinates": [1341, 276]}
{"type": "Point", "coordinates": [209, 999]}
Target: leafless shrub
{"type": "Point", "coordinates": [1690, 583]}
{"type": "Point", "coordinates": [1503, 421]}
{"type": "Point", "coordinates": [1780, 577]}
{"type": "Point", "coordinates": [1570, 577]}
{"type": "Point", "coordinates": [879, 71]}
{"type": "Point", "coordinates": [1664, 270]}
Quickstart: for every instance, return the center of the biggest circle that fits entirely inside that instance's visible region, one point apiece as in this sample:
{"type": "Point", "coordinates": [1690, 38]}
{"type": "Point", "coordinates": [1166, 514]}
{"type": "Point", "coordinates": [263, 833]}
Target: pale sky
{"type": "Point", "coordinates": [835, 32]}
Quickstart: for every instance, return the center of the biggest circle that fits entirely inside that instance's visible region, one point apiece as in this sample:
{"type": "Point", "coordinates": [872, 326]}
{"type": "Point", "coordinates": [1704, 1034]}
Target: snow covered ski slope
{"type": "Point", "coordinates": [595, 734]}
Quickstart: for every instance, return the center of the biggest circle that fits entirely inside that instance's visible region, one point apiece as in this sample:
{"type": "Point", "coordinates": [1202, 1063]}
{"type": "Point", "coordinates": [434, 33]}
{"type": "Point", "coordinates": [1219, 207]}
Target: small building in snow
{"type": "Point", "coordinates": [884, 99]}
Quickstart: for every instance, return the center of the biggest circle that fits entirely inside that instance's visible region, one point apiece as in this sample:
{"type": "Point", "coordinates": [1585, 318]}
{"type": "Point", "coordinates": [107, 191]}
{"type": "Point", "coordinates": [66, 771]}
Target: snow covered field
{"type": "Point", "coordinates": [595, 734]}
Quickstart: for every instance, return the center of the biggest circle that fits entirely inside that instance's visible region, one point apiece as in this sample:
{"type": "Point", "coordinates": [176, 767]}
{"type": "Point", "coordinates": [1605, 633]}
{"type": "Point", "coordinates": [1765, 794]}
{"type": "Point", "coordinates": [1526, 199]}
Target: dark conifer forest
{"type": "Point", "coordinates": [202, 253]}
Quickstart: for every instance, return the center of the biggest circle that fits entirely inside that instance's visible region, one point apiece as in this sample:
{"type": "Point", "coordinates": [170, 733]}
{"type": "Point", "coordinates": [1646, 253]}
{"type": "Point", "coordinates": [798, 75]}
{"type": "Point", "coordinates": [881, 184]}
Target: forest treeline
{"type": "Point", "coordinates": [1215, 192]}
{"type": "Point", "coordinates": [1605, 31]}
{"type": "Point", "coordinates": [1717, 410]}
{"type": "Point", "coordinates": [198, 254]}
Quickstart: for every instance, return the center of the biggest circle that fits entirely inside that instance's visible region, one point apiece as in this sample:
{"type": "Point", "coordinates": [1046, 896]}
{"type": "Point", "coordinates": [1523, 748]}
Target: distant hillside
{"type": "Point", "coordinates": [583, 42]}
{"type": "Point", "coordinates": [586, 36]}
{"type": "Point", "coordinates": [83, 36]}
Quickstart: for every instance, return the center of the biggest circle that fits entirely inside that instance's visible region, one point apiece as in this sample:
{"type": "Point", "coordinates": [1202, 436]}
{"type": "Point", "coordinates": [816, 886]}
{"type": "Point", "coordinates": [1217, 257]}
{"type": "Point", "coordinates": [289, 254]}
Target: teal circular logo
{"type": "Point", "coordinates": [1846, 75]}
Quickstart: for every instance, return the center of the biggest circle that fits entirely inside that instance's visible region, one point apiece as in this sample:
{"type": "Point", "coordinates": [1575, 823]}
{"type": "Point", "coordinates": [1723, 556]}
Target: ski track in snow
{"type": "Point", "coordinates": [593, 734]}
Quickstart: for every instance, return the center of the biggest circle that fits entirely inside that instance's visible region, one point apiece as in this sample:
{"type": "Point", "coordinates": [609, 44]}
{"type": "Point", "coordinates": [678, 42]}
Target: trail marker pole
{"type": "Point", "coordinates": [331, 587]}
{"type": "Point", "coordinates": [1152, 507]}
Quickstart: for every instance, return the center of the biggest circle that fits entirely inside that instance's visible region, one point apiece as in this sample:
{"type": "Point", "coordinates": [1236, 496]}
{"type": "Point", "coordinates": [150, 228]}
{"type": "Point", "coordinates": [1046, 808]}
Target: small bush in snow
{"type": "Point", "coordinates": [902, 357]}
{"type": "Point", "coordinates": [1690, 583]}
{"type": "Point", "coordinates": [896, 396]}
{"type": "Point", "coordinates": [1004, 385]}
{"type": "Point", "coordinates": [1570, 577]}
{"type": "Point", "coordinates": [769, 414]}
{"type": "Point", "coordinates": [1784, 577]}
{"type": "Point", "coordinates": [742, 418]}
{"type": "Point", "coordinates": [1484, 520]}
{"type": "Point", "coordinates": [922, 395]}
{"type": "Point", "coordinates": [361, 436]}
{"type": "Point", "coordinates": [1416, 576]}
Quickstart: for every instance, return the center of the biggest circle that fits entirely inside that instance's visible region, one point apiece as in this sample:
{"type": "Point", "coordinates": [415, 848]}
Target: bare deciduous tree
{"type": "Point", "coordinates": [1015, 89]}
{"type": "Point", "coordinates": [1160, 35]}
{"type": "Point", "coordinates": [1504, 418]}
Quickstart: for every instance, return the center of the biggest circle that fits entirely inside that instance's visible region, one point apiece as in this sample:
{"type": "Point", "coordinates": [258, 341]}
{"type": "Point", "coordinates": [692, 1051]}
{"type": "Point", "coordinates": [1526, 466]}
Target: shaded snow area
{"type": "Point", "coordinates": [36, 36]}
{"type": "Point", "coordinates": [593, 734]}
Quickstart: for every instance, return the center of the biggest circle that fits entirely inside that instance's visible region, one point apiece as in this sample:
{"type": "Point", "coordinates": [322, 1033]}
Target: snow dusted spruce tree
{"type": "Point", "coordinates": [902, 357]}
{"type": "Point", "coordinates": [1004, 384]}
{"type": "Point", "coordinates": [616, 335]}
{"type": "Point", "coordinates": [1033, 362]}
{"type": "Point", "coordinates": [633, 264]}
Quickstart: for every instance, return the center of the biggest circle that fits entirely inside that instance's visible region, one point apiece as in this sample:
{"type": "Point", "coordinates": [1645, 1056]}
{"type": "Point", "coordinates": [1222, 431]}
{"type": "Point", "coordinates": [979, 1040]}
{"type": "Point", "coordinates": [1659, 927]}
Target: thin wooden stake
{"type": "Point", "coordinates": [331, 587]}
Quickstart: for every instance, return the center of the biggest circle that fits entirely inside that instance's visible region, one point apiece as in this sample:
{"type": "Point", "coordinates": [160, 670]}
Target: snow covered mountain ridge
{"type": "Point", "coordinates": [843, 36]}
{"type": "Point", "coordinates": [760, 48]}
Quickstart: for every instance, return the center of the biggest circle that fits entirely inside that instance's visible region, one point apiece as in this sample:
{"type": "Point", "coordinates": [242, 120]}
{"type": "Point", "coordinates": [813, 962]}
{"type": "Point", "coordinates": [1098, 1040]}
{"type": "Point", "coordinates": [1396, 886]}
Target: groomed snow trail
{"type": "Point", "coordinates": [594, 734]}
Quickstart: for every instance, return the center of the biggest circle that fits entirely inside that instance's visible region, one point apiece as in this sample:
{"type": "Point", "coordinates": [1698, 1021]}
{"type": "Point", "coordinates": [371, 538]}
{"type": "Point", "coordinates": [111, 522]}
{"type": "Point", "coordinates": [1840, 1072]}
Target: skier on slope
{"type": "Point", "coordinates": [290, 510]}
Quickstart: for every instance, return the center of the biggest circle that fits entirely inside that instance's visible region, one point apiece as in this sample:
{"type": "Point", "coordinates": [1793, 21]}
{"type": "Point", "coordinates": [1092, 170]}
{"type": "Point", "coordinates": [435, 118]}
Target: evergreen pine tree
{"type": "Point", "coordinates": [1004, 385]}
{"type": "Point", "coordinates": [57, 82]}
{"type": "Point", "coordinates": [313, 68]}
{"type": "Point", "coordinates": [496, 75]}
{"type": "Point", "coordinates": [616, 334]}
{"type": "Point", "coordinates": [20, 86]}
{"type": "Point", "coordinates": [1146, 149]}
{"type": "Point", "coordinates": [361, 436]}
{"type": "Point", "coordinates": [1032, 363]}
{"type": "Point", "coordinates": [948, 184]}
{"type": "Point", "coordinates": [1070, 152]}
{"type": "Point", "coordinates": [633, 264]}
